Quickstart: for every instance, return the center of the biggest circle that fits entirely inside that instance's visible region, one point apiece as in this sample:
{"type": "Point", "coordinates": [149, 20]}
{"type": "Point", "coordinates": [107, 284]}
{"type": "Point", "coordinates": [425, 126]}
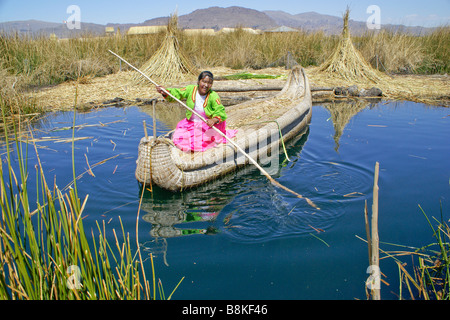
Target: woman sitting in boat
{"type": "Point", "coordinates": [191, 133]}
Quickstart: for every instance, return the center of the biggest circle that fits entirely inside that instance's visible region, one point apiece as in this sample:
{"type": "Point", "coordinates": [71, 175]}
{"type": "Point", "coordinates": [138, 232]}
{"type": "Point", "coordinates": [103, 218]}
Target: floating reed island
{"type": "Point", "coordinates": [101, 91]}
{"type": "Point", "coordinates": [39, 75]}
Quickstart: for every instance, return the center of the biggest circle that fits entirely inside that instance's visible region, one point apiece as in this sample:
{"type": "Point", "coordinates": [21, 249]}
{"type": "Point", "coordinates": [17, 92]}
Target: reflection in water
{"type": "Point", "coordinates": [180, 214]}
{"type": "Point", "coordinates": [165, 211]}
{"type": "Point", "coordinates": [195, 211]}
{"type": "Point", "coordinates": [342, 113]}
{"type": "Point", "coordinates": [186, 213]}
{"type": "Point", "coordinates": [164, 215]}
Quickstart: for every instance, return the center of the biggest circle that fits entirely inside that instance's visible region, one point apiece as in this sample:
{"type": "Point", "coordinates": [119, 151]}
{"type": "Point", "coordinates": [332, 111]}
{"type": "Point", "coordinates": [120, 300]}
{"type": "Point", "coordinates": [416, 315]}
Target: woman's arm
{"type": "Point", "coordinates": [180, 94]}
{"type": "Point", "coordinates": [217, 109]}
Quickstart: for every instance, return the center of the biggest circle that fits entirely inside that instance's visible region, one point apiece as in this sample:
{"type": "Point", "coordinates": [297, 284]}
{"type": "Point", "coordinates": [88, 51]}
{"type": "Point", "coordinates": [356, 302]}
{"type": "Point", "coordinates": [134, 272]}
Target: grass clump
{"type": "Point", "coordinates": [391, 52]}
{"type": "Point", "coordinates": [436, 48]}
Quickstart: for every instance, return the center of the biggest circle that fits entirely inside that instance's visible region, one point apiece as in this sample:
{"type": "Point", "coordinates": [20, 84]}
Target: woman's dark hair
{"type": "Point", "coordinates": [205, 74]}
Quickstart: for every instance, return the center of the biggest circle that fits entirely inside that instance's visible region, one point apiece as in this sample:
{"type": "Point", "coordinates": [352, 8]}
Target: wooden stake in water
{"type": "Point", "coordinates": [375, 252]}
{"type": "Point", "coordinates": [373, 282]}
{"type": "Point", "coordinates": [154, 118]}
{"type": "Point", "coordinates": [145, 130]}
{"type": "Point", "coordinates": [369, 240]}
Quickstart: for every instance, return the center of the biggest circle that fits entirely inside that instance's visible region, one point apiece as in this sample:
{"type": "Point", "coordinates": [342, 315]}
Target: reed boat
{"type": "Point", "coordinates": [263, 127]}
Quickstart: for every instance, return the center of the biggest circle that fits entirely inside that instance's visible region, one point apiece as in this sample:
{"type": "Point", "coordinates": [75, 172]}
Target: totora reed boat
{"type": "Point", "coordinates": [263, 127]}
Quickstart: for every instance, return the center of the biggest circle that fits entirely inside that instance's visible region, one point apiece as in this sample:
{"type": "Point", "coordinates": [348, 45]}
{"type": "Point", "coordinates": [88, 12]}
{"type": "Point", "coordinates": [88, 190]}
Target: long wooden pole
{"type": "Point", "coordinates": [264, 172]}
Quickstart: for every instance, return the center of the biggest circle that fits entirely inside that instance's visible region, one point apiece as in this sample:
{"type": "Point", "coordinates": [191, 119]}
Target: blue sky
{"type": "Point", "coordinates": [428, 13]}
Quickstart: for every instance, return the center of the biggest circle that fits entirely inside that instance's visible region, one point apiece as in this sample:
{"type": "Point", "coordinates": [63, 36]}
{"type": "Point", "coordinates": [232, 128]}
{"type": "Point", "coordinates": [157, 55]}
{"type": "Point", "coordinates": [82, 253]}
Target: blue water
{"type": "Point", "coordinates": [241, 237]}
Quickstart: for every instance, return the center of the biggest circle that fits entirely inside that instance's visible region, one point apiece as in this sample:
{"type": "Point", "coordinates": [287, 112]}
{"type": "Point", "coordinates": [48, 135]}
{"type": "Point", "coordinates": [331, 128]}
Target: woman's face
{"type": "Point", "coordinates": [204, 85]}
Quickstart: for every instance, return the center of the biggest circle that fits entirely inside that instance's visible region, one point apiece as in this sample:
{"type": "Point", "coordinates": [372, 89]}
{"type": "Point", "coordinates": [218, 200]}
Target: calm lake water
{"type": "Point", "coordinates": [242, 238]}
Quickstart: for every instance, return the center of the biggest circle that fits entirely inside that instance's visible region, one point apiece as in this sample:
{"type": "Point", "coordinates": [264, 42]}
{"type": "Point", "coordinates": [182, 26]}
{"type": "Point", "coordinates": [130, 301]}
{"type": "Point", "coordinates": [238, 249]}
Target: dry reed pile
{"type": "Point", "coordinates": [168, 64]}
{"type": "Point", "coordinates": [346, 62]}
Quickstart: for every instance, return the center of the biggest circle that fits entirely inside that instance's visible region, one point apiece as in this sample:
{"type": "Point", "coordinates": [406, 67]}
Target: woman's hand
{"type": "Point", "coordinates": [161, 90]}
{"type": "Point", "coordinates": [211, 122]}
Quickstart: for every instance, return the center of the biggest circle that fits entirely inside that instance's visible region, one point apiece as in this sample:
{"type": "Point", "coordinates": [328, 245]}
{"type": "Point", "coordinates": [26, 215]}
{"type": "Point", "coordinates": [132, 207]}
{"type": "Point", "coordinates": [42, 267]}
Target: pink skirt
{"type": "Point", "coordinates": [198, 136]}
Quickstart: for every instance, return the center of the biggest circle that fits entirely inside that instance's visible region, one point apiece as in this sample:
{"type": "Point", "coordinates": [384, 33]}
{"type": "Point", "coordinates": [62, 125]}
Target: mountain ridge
{"type": "Point", "coordinates": [213, 18]}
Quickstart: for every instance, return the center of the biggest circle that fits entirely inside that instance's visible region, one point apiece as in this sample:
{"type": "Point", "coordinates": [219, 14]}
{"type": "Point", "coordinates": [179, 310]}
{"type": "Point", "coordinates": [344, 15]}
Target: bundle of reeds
{"type": "Point", "coordinates": [346, 62]}
{"type": "Point", "coordinates": [168, 64]}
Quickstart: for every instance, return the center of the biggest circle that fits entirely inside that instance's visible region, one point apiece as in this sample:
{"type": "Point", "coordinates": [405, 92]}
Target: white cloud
{"type": "Point", "coordinates": [412, 16]}
{"type": "Point", "coordinates": [431, 20]}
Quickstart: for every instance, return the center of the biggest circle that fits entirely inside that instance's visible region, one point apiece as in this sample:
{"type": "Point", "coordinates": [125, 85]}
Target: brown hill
{"type": "Point", "coordinates": [313, 21]}
{"type": "Point", "coordinates": [218, 18]}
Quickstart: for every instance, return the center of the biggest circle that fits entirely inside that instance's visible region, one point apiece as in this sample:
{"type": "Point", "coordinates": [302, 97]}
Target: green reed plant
{"type": "Point", "coordinates": [437, 52]}
{"type": "Point", "coordinates": [44, 61]}
{"type": "Point", "coordinates": [44, 249]}
{"type": "Point", "coordinates": [241, 49]}
{"type": "Point", "coordinates": [249, 75]}
{"type": "Point", "coordinates": [430, 279]}
{"type": "Point", "coordinates": [392, 52]}
{"type": "Point", "coordinates": [12, 99]}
